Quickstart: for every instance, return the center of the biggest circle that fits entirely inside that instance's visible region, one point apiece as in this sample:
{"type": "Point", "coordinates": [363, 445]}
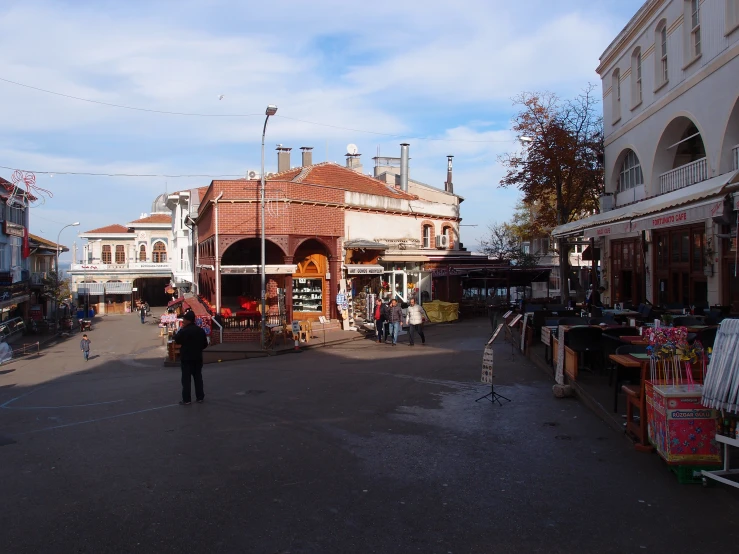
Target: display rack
{"type": "Point", "coordinates": [722, 474]}
{"type": "Point", "coordinates": [308, 296]}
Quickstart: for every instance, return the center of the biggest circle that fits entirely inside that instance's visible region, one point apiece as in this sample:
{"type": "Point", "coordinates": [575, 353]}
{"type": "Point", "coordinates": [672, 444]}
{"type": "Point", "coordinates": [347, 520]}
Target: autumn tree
{"type": "Point", "coordinates": [505, 244]}
{"type": "Point", "coordinates": [560, 167]}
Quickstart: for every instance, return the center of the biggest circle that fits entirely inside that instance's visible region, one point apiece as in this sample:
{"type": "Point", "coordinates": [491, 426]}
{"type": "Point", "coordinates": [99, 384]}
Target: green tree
{"type": "Point", "coordinates": [505, 244]}
{"type": "Point", "coordinates": [560, 168]}
{"type": "Point", "coordinates": [56, 288]}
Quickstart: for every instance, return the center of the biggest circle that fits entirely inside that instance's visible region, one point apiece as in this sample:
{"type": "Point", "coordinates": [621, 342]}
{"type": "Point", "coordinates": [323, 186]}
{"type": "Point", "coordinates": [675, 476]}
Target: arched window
{"type": "Point", "coordinates": [616, 95]}
{"type": "Point", "coordinates": [660, 54]}
{"type": "Point", "coordinates": [142, 253]}
{"type": "Point", "coordinates": [427, 236]}
{"type": "Point", "coordinates": [447, 232]}
{"type": "Point", "coordinates": [107, 256]}
{"type": "Point", "coordinates": [630, 175]}
{"type": "Point", "coordinates": [120, 254]}
{"type": "Point", "coordinates": [159, 254]}
{"type": "Point", "coordinates": [636, 78]}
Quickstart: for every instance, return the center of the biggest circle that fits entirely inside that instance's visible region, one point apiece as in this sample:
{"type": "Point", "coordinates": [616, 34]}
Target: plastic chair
{"type": "Point", "coordinates": [686, 321]}
{"type": "Point", "coordinates": [636, 397]}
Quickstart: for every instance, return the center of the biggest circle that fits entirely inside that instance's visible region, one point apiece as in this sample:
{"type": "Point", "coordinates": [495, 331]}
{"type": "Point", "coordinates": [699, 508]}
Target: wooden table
{"type": "Point", "coordinates": [626, 361]}
{"type": "Point", "coordinates": [634, 339]}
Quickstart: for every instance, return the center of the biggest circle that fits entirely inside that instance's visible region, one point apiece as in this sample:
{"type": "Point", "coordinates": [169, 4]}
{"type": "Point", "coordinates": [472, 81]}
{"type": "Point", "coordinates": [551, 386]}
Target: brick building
{"type": "Point", "coordinates": [327, 228]}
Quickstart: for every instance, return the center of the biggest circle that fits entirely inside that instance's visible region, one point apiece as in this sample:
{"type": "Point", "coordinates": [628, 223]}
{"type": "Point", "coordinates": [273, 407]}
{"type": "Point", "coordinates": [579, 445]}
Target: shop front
{"type": "Point", "coordinates": [403, 280]}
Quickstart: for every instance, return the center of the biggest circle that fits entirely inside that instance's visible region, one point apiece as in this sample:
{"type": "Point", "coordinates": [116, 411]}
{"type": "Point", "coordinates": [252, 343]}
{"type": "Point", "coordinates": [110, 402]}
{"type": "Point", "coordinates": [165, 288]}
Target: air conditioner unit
{"type": "Point", "coordinates": [252, 174]}
{"type": "Point", "coordinates": [442, 241]}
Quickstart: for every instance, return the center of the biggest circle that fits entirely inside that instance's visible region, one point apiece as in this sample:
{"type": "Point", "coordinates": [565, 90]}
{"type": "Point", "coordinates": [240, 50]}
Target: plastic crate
{"type": "Point", "coordinates": [685, 474]}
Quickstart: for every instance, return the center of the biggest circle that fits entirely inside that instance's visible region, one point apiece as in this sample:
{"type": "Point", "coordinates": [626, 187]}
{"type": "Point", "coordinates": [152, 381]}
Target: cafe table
{"type": "Point", "coordinates": [626, 362]}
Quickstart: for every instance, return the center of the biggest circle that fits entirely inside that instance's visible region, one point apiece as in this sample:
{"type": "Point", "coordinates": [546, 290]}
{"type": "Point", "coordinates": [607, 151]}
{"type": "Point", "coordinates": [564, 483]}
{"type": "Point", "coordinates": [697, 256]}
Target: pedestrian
{"type": "Point", "coordinates": [394, 318]}
{"type": "Point", "coordinates": [415, 319]}
{"type": "Point", "coordinates": [380, 316]}
{"type": "Point", "coordinates": [192, 341]}
{"type": "Point", "coordinates": [85, 347]}
{"type": "Point", "coordinates": [142, 311]}
{"type": "Point", "coordinates": [595, 298]}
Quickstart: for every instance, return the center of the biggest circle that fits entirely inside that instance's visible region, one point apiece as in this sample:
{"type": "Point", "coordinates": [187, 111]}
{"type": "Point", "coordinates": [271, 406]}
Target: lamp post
{"type": "Point", "coordinates": [271, 110]}
{"type": "Point", "coordinates": [56, 295]}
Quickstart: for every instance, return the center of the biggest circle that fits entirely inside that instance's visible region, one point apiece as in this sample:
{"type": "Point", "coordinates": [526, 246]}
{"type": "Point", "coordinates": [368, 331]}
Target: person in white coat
{"type": "Point", "coordinates": [415, 319]}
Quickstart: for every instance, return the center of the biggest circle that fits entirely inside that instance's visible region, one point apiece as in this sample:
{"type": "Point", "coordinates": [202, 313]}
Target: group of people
{"type": "Point", "coordinates": [389, 319]}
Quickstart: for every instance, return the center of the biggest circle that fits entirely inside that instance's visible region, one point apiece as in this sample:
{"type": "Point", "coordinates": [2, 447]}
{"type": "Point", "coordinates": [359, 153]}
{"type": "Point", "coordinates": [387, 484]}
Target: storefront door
{"type": "Point", "coordinates": [679, 259]}
{"type": "Point", "coordinates": [627, 271]}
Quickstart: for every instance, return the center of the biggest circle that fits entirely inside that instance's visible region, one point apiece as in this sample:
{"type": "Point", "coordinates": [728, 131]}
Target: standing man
{"type": "Point", "coordinates": [142, 311]}
{"type": "Point", "coordinates": [415, 319]}
{"type": "Point", "coordinates": [85, 347]}
{"type": "Point", "coordinates": [192, 341]}
{"type": "Point", "coordinates": [380, 316]}
{"type": "Point", "coordinates": [395, 318]}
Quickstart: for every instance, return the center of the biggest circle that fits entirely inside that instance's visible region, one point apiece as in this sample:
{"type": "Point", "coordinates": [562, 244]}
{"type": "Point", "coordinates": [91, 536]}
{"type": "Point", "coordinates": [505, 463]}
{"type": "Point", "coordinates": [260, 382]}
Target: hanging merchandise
{"type": "Point", "coordinates": [721, 388]}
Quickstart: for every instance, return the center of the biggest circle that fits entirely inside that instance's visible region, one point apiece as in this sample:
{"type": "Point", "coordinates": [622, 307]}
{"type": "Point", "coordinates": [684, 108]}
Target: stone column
{"type": "Point", "coordinates": [288, 293]}
{"type": "Point", "coordinates": [334, 267]}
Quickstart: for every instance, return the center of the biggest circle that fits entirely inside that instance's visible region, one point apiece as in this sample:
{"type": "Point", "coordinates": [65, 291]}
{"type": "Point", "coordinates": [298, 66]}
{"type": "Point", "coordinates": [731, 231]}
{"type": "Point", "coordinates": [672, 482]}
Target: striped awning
{"type": "Point", "coordinates": [91, 288]}
{"type": "Point", "coordinates": [117, 288]}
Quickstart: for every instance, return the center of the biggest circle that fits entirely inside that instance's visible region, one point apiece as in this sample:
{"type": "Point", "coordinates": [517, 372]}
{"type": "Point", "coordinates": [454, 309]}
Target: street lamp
{"type": "Point", "coordinates": [271, 110]}
{"type": "Point", "coordinates": [58, 247]}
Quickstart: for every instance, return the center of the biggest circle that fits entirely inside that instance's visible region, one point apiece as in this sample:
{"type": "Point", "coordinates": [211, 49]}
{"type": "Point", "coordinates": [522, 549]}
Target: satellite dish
{"type": "Point", "coordinates": [352, 149]}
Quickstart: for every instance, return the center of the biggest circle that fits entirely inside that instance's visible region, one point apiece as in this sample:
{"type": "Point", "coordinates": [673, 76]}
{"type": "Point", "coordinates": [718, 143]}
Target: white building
{"type": "Point", "coordinates": [183, 206]}
{"type": "Point", "coordinates": [122, 263]}
{"type": "Point", "coordinates": [671, 124]}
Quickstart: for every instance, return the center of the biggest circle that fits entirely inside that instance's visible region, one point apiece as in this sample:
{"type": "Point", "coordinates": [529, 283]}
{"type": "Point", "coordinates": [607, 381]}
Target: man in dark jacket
{"type": "Point", "coordinates": [192, 341]}
{"type": "Point", "coordinates": [380, 317]}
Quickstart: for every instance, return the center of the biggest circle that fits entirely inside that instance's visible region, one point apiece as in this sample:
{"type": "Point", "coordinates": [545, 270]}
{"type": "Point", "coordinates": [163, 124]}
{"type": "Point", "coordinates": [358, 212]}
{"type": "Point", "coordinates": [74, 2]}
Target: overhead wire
{"type": "Point", "coordinates": [195, 114]}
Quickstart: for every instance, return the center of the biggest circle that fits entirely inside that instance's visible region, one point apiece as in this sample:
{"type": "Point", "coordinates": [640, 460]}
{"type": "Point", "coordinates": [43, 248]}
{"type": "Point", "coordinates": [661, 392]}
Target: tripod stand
{"type": "Point", "coordinates": [494, 396]}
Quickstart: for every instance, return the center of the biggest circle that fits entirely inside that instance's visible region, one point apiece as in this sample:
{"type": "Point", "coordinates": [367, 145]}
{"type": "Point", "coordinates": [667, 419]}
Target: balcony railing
{"type": "Point", "coordinates": [683, 176]}
{"type": "Point", "coordinates": [38, 278]}
{"type": "Point", "coordinates": [735, 157]}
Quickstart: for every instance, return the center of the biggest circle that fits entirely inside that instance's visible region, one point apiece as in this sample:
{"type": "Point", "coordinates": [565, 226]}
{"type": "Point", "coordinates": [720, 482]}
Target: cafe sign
{"type": "Point", "coordinates": [368, 269]}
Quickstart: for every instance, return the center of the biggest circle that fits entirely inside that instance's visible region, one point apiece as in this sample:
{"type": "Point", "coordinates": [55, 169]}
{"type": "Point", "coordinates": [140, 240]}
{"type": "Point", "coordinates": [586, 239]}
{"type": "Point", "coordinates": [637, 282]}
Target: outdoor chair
{"type": "Point", "coordinates": [636, 397]}
{"type": "Point", "coordinates": [584, 340]}
{"type": "Point", "coordinates": [712, 317]}
{"type": "Point", "coordinates": [598, 320]}
{"type": "Point", "coordinates": [707, 337]}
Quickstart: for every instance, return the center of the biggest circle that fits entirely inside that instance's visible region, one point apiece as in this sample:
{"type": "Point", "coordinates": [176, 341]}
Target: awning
{"type": "Point", "coordinates": [365, 244]}
{"type": "Point", "coordinates": [710, 188]}
{"type": "Point", "coordinates": [612, 229]}
{"type": "Point", "coordinates": [364, 269]}
{"type": "Point", "coordinates": [285, 269]}
{"type": "Point", "coordinates": [91, 288]}
{"type": "Point", "coordinates": [118, 288]}
{"type": "Point", "coordinates": [683, 216]}
{"type": "Point", "coordinates": [397, 258]}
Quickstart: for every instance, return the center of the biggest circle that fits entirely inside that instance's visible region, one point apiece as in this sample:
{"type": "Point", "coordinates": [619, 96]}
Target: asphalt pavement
{"type": "Point", "coordinates": [352, 448]}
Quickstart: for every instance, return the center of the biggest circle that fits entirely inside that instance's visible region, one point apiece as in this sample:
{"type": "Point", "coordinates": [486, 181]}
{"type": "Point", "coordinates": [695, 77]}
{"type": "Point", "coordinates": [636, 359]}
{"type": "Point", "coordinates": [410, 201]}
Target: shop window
{"type": "Point", "coordinates": [107, 257]}
{"type": "Point", "coordinates": [159, 253]}
{"type": "Point", "coordinates": [120, 254]}
{"type": "Point", "coordinates": [142, 253]}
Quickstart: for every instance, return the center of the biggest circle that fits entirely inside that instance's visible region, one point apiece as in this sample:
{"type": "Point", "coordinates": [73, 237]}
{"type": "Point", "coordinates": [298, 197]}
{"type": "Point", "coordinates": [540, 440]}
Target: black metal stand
{"type": "Point", "coordinates": [493, 396]}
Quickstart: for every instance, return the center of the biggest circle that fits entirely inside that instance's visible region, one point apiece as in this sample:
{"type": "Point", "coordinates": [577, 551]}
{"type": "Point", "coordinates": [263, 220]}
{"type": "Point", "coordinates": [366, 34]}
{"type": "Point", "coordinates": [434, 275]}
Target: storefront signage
{"type": "Point", "coordinates": [664, 220]}
{"type": "Point", "coordinates": [13, 229]}
{"type": "Point", "coordinates": [364, 270]}
{"type": "Point", "coordinates": [608, 230]}
{"type": "Point", "coordinates": [256, 269]}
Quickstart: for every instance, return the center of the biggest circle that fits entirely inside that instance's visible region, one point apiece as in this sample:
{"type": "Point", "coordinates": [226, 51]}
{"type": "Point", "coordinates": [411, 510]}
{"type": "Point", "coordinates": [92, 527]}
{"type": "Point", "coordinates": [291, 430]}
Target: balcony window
{"type": "Point", "coordinates": [120, 254]}
{"type": "Point", "coordinates": [427, 236]}
{"type": "Point", "coordinates": [636, 78]}
{"type": "Point", "coordinates": [107, 257]}
{"type": "Point", "coordinates": [616, 95]}
{"type": "Point", "coordinates": [159, 254]}
{"type": "Point", "coordinates": [695, 31]}
{"type": "Point", "coordinates": [142, 253]}
{"type": "Point", "coordinates": [660, 57]}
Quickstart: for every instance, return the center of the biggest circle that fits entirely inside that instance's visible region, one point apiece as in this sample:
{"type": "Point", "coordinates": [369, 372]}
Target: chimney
{"type": "Point", "coordinates": [307, 155]}
{"type": "Point", "coordinates": [283, 158]}
{"type": "Point", "coordinates": [448, 186]}
{"type": "Point", "coordinates": [353, 162]}
{"type": "Point", "coordinates": [404, 167]}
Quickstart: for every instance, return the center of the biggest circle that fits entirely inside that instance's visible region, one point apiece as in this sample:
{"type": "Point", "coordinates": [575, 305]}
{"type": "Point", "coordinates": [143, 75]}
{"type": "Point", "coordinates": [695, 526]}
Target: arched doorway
{"type": "Point", "coordinates": [241, 280]}
{"type": "Point", "coordinates": [628, 179]}
{"type": "Point", "coordinates": [729, 160]}
{"type": "Point", "coordinates": [680, 159]}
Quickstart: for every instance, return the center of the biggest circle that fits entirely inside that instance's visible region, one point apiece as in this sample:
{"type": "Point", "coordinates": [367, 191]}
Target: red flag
{"type": "Point", "coordinates": [26, 246]}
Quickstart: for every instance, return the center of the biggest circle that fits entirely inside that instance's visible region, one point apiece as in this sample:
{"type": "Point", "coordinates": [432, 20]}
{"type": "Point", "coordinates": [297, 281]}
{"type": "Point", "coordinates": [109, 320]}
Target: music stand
{"type": "Point", "coordinates": [487, 371]}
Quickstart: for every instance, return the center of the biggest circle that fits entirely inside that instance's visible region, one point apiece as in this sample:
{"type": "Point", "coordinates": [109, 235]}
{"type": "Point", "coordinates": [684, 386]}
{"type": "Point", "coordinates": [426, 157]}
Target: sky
{"type": "Point", "coordinates": [439, 75]}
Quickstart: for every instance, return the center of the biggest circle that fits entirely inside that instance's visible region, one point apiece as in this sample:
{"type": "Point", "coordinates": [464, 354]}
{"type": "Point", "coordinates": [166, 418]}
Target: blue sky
{"type": "Point", "coordinates": [413, 69]}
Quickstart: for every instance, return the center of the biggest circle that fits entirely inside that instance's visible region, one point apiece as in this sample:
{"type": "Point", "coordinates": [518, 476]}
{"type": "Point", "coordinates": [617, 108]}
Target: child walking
{"type": "Point", "coordinates": [85, 347]}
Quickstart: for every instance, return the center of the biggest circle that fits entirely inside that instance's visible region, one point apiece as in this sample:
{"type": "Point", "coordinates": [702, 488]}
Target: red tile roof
{"type": "Point", "coordinates": [155, 218]}
{"type": "Point", "coordinates": [115, 228]}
